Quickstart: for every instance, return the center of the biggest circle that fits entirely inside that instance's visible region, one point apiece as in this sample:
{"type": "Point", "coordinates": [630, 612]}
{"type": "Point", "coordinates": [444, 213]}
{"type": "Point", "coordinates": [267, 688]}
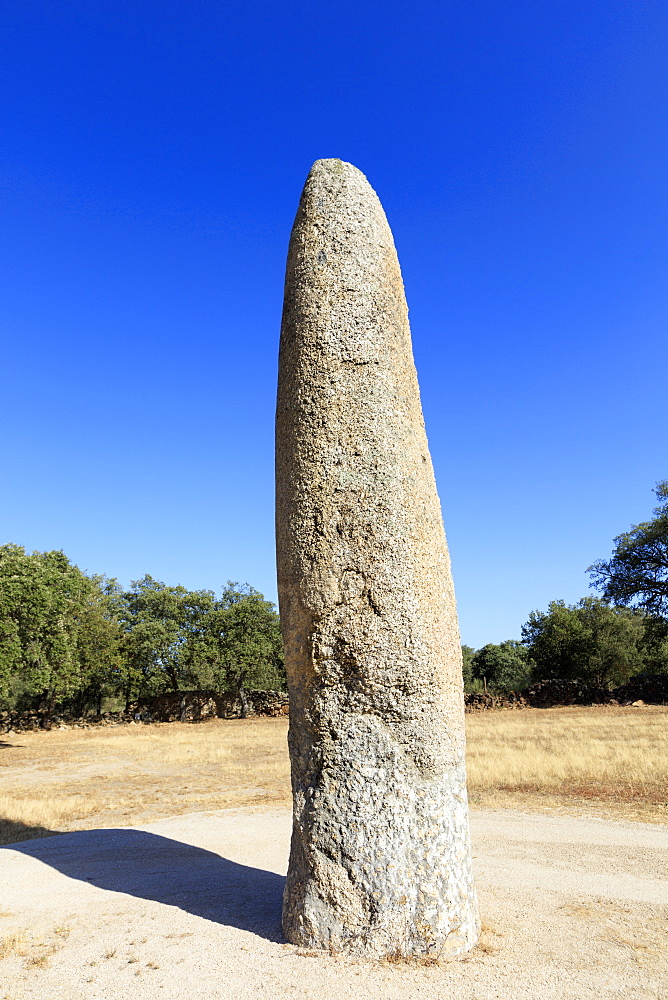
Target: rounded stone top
{"type": "Point", "coordinates": [339, 179]}
{"type": "Point", "coordinates": [336, 167]}
{"type": "Point", "coordinates": [338, 207]}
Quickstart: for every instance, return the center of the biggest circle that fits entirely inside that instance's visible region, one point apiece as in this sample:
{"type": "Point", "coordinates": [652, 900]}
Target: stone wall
{"type": "Point", "coordinates": [181, 706]}
{"type": "Point", "coordinates": [479, 701]}
{"type": "Point", "coordinates": [549, 693]}
{"type": "Point", "coordinates": [651, 689]}
{"type": "Point", "coordinates": [196, 706]}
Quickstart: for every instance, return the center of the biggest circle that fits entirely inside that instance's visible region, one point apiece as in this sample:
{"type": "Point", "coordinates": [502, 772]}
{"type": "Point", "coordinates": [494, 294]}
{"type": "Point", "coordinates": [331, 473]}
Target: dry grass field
{"type": "Point", "coordinates": [607, 760]}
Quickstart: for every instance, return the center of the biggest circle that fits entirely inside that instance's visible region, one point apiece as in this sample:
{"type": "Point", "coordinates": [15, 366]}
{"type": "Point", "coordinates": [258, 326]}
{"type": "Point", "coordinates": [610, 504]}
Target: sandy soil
{"type": "Point", "coordinates": [189, 907]}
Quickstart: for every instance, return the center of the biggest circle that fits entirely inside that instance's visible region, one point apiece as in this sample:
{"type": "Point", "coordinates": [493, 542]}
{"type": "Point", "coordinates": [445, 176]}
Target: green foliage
{"type": "Point", "coordinates": [157, 621]}
{"type": "Point", "coordinates": [505, 666]}
{"type": "Point", "coordinates": [589, 640]}
{"type": "Point", "coordinates": [468, 652]}
{"type": "Point", "coordinates": [178, 639]}
{"type": "Point", "coordinates": [57, 626]}
{"type": "Point", "coordinates": [655, 646]}
{"type": "Point", "coordinates": [637, 573]}
{"type": "Point", "coordinates": [240, 642]}
{"type": "Point", "coordinates": [99, 647]}
{"type": "Point", "coordinates": [70, 640]}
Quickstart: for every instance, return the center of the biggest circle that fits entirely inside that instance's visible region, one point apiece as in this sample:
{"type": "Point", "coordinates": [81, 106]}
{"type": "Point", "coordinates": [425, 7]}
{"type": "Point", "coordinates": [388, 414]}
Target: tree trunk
{"type": "Point", "coordinates": [45, 721]}
{"type": "Point", "coordinates": [171, 670]}
{"type": "Point", "coordinates": [128, 694]}
{"type": "Point", "coordinates": [241, 694]}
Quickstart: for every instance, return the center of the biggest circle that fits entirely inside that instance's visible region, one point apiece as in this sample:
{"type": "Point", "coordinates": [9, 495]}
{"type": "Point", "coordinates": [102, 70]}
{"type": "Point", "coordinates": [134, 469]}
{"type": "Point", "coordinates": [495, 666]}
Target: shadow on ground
{"type": "Point", "coordinates": [12, 831]}
{"type": "Point", "coordinates": [148, 866]}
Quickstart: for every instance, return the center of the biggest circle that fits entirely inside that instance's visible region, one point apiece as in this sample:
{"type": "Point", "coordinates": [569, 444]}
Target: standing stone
{"type": "Point", "coordinates": [380, 858]}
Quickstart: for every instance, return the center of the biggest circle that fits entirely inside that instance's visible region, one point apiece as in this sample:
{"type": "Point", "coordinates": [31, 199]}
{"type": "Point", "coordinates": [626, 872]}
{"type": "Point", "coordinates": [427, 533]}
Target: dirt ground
{"type": "Point", "coordinates": [609, 760]}
{"type": "Point", "coordinates": [189, 907]}
{"type": "Point", "coordinates": [168, 879]}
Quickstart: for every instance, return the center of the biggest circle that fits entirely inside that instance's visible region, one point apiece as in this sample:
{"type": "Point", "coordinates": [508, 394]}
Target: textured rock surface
{"type": "Point", "coordinates": [380, 857]}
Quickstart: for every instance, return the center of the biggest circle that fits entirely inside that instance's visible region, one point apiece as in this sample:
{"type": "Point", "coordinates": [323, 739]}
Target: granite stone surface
{"type": "Point", "coordinates": [380, 856]}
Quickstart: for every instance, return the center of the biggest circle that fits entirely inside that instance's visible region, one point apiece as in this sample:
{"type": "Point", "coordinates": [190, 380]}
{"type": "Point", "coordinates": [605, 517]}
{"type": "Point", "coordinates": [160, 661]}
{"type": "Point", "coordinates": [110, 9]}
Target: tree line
{"type": "Point", "coordinates": [71, 641]}
{"type": "Point", "coordinates": [603, 640]}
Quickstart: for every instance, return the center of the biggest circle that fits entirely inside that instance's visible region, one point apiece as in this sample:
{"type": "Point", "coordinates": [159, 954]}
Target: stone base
{"type": "Point", "coordinates": [380, 859]}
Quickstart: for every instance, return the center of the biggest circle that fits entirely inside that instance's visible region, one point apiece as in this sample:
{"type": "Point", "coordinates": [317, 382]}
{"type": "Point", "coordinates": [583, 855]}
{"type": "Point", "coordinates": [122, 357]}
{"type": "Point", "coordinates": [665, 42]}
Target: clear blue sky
{"type": "Point", "coordinates": [152, 158]}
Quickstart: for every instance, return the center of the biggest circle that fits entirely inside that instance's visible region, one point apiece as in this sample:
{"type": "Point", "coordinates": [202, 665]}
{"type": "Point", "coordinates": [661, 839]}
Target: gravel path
{"type": "Point", "coordinates": [189, 907]}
